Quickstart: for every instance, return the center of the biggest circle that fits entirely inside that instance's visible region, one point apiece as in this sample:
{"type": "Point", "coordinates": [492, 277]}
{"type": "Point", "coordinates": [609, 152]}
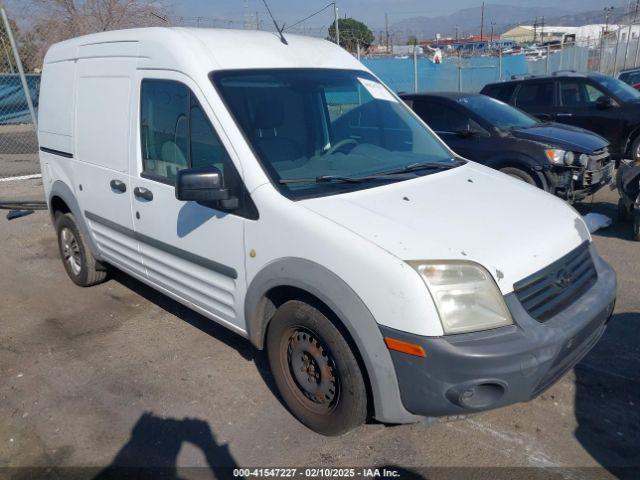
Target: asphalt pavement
{"type": "Point", "coordinates": [119, 374]}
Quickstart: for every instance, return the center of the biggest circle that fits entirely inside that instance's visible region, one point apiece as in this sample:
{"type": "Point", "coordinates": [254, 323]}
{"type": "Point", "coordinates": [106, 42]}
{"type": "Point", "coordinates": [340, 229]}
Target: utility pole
{"type": "Point", "coordinates": [257, 21]}
{"type": "Point", "coordinates": [456, 33]}
{"type": "Point", "coordinates": [607, 12]}
{"type": "Point", "coordinates": [626, 48]}
{"type": "Point", "coordinates": [386, 30]}
{"type": "Point", "coordinates": [542, 30]}
{"type": "Point", "coordinates": [535, 28]}
{"type": "Point", "coordinates": [482, 21]}
{"type": "Point", "coordinates": [23, 78]}
{"type": "Point", "coordinates": [335, 12]}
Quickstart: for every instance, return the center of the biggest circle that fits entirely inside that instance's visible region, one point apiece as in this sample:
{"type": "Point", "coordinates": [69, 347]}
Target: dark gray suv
{"type": "Point", "coordinates": [596, 102]}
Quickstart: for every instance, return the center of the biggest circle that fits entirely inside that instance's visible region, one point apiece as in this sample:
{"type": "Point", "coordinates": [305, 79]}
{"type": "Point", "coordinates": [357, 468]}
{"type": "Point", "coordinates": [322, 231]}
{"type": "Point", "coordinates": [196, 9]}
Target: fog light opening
{"type": "Point", "coordinates": [482, 395]}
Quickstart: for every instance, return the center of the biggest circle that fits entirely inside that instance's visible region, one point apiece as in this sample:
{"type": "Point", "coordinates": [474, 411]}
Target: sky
{"type": "Point", "coordinates": [371, 12]}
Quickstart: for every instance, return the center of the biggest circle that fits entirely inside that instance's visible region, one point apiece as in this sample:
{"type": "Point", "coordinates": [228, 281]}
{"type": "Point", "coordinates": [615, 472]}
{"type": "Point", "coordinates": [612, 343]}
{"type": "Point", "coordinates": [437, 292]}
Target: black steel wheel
{"type": "Point", "coordinates": [312, 370]}
{"type": "Point", "coordinates": [315, 369]}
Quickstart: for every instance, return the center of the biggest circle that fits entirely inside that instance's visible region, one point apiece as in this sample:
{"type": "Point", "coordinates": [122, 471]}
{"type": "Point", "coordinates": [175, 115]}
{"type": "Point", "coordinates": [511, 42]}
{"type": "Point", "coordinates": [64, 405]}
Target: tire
{"type": "Point", "coordinates": [81, 266]}
{"type": "Point", "coordinates": [623, 211]}
{"type": "Point", "coordinates": [315, 370]}
{"type": "Point", "coordinates": [519, 174]}
{"type": "Point", "coordinates": [636, 226]}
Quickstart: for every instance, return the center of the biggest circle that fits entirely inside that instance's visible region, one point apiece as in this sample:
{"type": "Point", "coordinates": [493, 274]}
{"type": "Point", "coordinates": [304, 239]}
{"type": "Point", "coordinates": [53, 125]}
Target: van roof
{"type": "Point", "coordinates": [206, 49]}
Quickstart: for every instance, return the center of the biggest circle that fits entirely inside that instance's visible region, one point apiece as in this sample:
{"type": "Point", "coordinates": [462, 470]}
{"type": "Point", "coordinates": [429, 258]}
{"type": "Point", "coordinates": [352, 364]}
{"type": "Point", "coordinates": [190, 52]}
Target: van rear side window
{"type": "Point", "coordinates": [175, 132]}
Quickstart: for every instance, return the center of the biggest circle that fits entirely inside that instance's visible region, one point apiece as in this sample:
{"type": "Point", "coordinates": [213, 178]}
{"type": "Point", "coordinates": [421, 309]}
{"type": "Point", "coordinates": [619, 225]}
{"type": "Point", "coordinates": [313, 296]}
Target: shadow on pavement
{"type": "Point", "coordinates": [152, 451]}
{"type": "Point", "coordinates": [202, 323]}
{"type": "Point", "coordinates": [622, 230]}
{"type": "Point", "coordinates": [607, 401]}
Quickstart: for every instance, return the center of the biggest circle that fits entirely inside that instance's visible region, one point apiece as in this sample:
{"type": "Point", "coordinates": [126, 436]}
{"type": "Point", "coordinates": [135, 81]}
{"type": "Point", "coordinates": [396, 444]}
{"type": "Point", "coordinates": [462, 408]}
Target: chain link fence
{"type": "Point", "coordinates": [404, 67]}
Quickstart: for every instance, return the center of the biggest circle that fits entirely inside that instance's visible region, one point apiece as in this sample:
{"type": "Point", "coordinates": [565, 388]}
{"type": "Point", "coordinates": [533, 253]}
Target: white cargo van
{"type": "Point", "coordinates": [282, 190]}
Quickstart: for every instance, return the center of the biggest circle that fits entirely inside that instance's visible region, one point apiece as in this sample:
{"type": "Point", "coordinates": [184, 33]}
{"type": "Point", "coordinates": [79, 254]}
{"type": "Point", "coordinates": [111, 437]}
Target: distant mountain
{"type": "Point", "coordinates": [502, 17]}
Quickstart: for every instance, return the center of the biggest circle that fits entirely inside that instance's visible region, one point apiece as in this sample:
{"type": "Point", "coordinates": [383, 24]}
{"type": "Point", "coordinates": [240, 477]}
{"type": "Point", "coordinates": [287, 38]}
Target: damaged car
{"type": "Point", "coordinates": [567, 161]}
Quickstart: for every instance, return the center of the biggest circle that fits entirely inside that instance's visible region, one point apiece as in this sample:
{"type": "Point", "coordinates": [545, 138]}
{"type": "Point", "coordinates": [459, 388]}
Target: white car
{"type": "Point", "coordinates": [281, 190]}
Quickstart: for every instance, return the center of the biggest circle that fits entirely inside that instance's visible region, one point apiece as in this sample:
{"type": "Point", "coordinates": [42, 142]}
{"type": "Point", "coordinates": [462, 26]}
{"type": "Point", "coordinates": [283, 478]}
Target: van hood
{"type": "Point", "coordinates": [563, 136]}
{"type": "Point", "coordinates": [467, 213]}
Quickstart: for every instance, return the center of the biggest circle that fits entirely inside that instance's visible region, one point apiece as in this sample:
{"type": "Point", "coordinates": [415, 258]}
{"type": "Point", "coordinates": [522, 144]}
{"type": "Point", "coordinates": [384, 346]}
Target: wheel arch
{"type": "Point", "coordinates": [631, 138]}
{"type": "Point", "coordinates": [521, 162]}
{"type": "Point", "coordinates": [62, 199]}
{"type": "Point", "coordinates": [297, 278]}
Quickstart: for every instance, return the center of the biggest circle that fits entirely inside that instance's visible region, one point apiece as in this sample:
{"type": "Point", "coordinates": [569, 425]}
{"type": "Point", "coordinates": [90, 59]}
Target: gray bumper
{"type": "Point", "coordinates": [484, 370]}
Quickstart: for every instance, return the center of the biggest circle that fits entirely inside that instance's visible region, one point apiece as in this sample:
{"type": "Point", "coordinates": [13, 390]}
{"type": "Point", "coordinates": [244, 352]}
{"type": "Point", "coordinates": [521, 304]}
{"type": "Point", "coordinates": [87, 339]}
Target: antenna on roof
{"type": "Point", "coordinates": [280, 30]}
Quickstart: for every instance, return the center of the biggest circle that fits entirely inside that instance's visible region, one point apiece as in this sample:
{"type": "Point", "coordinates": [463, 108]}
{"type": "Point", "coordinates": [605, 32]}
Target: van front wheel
{"type": "Point", "coordinates": [315, 369]}
{"type": "Point", "coordinates": [83, 269]}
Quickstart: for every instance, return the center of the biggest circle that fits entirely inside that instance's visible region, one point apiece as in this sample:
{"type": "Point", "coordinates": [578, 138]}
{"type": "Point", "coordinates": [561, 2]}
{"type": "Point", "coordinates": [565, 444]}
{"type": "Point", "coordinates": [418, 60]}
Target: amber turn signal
{"type": "Point", "coordinates": [405, 347]}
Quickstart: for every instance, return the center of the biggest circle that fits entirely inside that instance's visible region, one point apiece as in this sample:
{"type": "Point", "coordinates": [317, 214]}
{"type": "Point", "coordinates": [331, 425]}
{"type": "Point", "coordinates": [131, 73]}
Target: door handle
{"type": "Point", "coordinates": [143, 193]}
{"type": "Point", "coordinates": [565, 114]}
{"type": "Point", "coordinates": [118, 186]}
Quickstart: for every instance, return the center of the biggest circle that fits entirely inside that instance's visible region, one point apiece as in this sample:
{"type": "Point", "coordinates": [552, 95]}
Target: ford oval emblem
{"type": "Point", "coordinates": [564, 278]}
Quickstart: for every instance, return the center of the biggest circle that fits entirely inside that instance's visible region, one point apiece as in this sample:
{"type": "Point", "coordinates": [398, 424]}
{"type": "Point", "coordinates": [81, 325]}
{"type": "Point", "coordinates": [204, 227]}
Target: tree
{"type": "Point", "coordinates": [352, 33]}
{"type": "Point", "coordinates": [53, 21]}
{"type": "Point", "coordinates": [412, 40]}
{"type": "Point", "coordinates": [26, 48]}
{"type": "Point", "coordinates": [88, 16]}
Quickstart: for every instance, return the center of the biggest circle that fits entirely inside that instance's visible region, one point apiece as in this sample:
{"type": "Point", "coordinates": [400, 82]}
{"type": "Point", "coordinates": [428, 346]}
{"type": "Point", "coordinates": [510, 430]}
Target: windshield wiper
{"type": "Point", "coordinates": [322, 179]}
{"type": "Point", "coordinates": [414, 167]}
{"type": "Point", "coordinates": [387, 174]}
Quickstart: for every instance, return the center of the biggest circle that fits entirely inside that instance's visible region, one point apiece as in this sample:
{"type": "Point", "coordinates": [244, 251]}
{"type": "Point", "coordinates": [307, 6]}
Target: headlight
{"type": "Point", "coordinates": [555, 156]}
{"type": "Point", "coordinates": [583, 159]}
{"type": "Point", "coordinates": [465, 294]}
{"type": "Point", "coordinates": [569, 157]}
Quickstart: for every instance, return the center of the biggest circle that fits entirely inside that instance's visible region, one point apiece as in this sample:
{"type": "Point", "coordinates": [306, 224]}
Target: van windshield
{"type": "Point", "coordinates": [319, 131]}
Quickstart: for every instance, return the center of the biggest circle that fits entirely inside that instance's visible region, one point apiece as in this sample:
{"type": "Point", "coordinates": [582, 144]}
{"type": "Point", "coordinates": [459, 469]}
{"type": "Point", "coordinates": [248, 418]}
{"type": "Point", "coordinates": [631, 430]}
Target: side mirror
{"type": "Point", "coordinates": [603, 102]}
{"type": "Point", "coordinates": [203, 185]}
{"type": "Point", "coordinates": [466, 132]}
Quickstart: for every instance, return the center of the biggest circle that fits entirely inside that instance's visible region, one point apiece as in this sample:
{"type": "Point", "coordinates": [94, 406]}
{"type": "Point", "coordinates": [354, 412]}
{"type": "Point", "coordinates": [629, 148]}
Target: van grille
{"type": "Point", "coordinates": [554, 288]}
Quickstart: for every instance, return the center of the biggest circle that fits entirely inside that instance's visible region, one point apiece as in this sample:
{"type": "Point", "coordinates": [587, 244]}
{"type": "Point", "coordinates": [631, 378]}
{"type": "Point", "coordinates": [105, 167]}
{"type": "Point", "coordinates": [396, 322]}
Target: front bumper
{"type": "Point", "coordinates": [478, 371]}
{"type": "Point", "coordinates": [577, 183]}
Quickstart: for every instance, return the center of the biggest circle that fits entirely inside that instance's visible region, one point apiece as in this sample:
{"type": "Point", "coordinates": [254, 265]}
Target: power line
{"type": "Point", "coordinates": [312, 15]}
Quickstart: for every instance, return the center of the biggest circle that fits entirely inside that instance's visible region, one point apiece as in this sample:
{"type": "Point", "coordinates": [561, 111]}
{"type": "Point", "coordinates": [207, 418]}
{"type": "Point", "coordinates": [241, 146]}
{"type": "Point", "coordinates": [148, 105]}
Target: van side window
{"type": "Point", "coordinates": [176, 133]}
{"type": "Point", "coordinates": [164, 125]}
{"type": "Point", "coordinates": [205, 146]}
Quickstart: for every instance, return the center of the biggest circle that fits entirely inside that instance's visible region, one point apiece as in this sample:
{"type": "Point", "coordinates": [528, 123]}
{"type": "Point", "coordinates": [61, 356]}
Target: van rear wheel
{"type": "Point", "coordinates": [83, 269]}
{"type": "Point", "coordinates": [315, 369]}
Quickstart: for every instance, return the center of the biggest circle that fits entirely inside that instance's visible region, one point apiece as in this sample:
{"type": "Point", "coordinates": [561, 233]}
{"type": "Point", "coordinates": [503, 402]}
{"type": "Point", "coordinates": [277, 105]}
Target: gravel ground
{"type": "Point", "coordinates": [118, 374]}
